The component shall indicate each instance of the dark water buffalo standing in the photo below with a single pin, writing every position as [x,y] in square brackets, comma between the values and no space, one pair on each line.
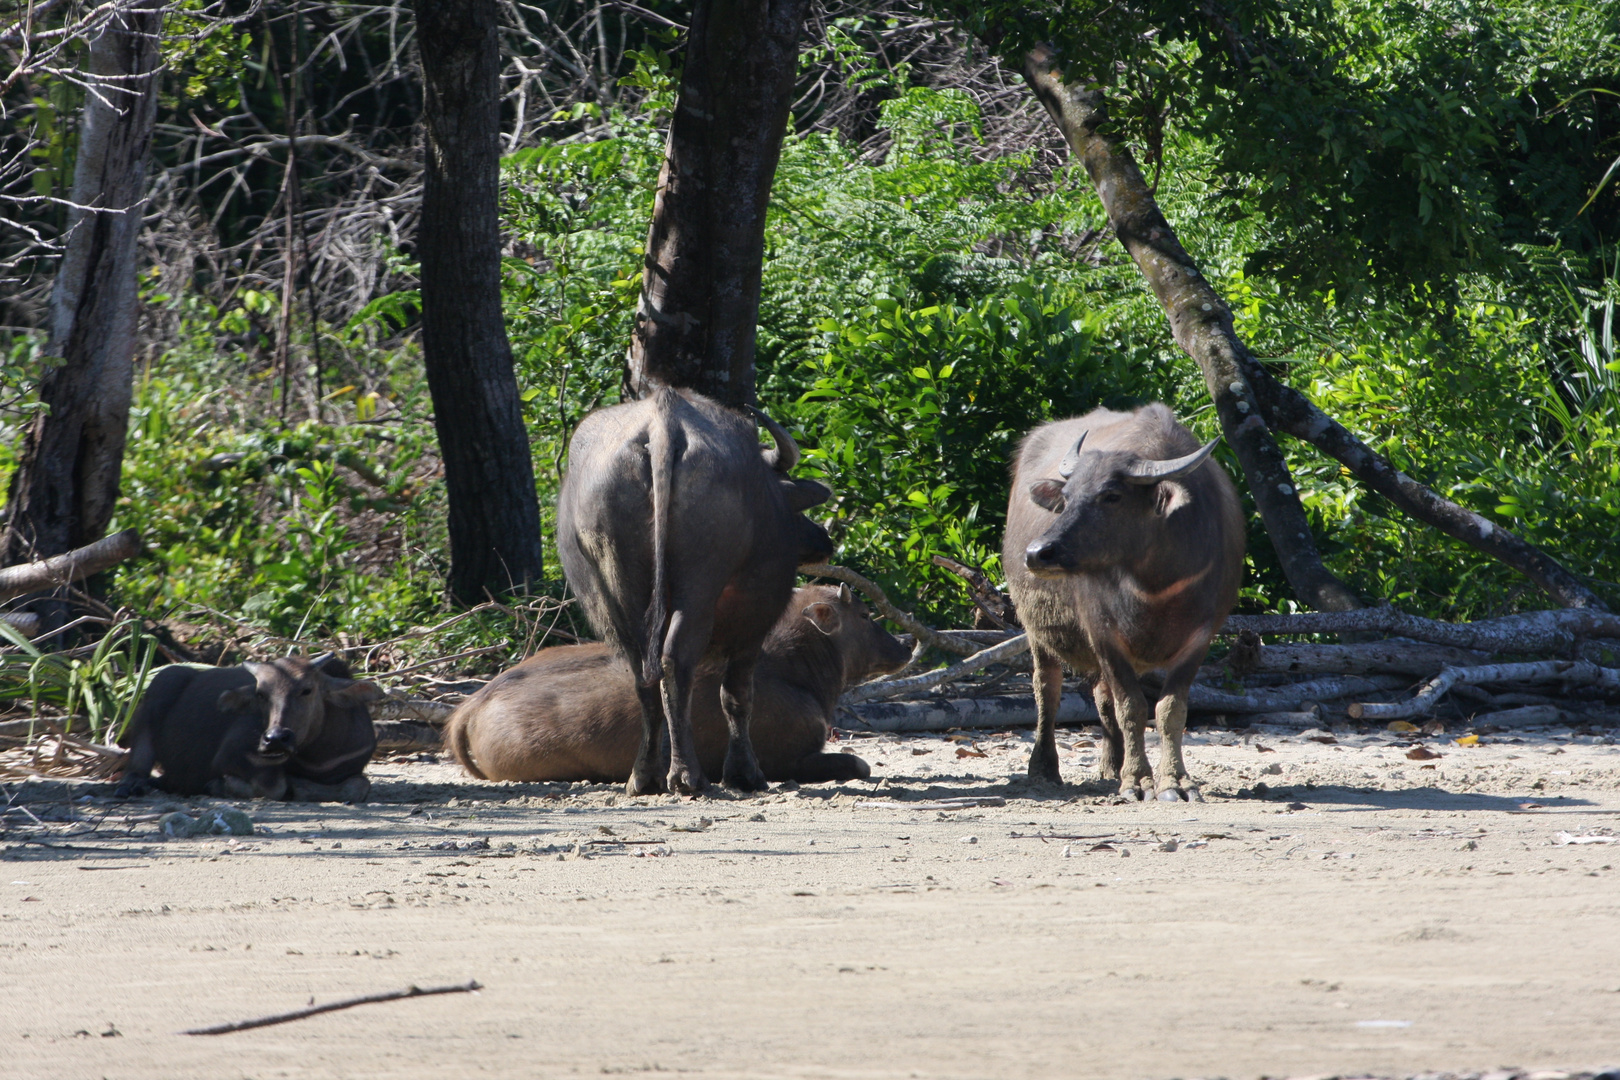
[572,713]
[291,728]
[680,537]
[1123,553]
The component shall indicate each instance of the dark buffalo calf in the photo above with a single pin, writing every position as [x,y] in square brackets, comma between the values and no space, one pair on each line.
[572,713]
[291,728]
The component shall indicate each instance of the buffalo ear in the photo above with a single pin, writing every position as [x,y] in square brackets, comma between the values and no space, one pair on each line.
[358,692]
[824,617]
[239,699]
[801,495]
[1170,497]
[1048,495]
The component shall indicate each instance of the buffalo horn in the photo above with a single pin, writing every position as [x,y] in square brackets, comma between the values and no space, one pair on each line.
[319,662]
[1151,472]
[1071,460]
[786,454]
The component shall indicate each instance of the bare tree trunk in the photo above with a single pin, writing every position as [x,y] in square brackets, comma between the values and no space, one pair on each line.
[1200,321]
[700,292]
[1247,396]
[494,516]
[66,484]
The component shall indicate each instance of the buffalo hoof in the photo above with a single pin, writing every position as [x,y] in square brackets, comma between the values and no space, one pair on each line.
[745,779]
[355,789]
[687,782]
[1128,789]
[644,784]
[1043,768]
[1170,794]
[133,787]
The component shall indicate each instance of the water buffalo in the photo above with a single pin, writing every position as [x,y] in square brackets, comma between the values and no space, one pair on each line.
[572,713]
[1123,554]
[290,728]
[680,536]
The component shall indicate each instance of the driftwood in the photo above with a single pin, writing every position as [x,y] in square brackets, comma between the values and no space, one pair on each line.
[1569,673]
[882,688]
[76,565]
[1290,697]
[1531,632]
[944,714]
[1371,658]
[333,1006]
[407,737]
[428,712]
[997,605]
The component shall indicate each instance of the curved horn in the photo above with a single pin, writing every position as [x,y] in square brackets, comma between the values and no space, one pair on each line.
[786,454]
[1151,472]
[318,662]
[1071,460]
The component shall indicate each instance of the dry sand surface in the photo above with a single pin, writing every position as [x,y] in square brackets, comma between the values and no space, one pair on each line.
[1365,914]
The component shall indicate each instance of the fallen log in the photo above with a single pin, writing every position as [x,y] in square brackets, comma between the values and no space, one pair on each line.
[402,708]
[75,565]
[1290,697]
[1372,658]
[1531,632]
[883,688]
[1527,716]
[407,736]
[1570,673]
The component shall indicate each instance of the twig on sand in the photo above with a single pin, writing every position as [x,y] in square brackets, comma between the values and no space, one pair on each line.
[347,1003]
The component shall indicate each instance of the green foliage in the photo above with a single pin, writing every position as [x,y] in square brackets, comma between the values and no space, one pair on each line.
[98,684]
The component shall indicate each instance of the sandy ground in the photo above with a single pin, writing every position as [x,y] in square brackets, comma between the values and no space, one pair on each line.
[1363,914]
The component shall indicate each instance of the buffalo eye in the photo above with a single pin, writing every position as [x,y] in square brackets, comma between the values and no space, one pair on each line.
[1111,496]
[305,692]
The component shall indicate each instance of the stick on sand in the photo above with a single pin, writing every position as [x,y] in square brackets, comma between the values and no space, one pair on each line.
[346,1003]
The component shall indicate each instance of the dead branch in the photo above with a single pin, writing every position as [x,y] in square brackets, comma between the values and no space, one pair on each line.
[875,593]
[403,708]
[1531,632]
[75,565]
[1569,673]
[468,987]
[1371,658]
[991,600]
[1290,697]
[882,688]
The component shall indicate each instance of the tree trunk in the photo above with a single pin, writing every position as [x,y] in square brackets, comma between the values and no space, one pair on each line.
[1247,396]
[700,288]
[66,484]
[494,516]
[1199,320]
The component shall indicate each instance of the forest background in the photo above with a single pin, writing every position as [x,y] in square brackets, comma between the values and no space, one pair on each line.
[1415,225]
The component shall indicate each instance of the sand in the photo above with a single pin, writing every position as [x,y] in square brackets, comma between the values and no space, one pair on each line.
[1362,915]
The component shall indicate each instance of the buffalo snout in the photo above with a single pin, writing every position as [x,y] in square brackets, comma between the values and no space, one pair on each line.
[1048,557]
[278,740]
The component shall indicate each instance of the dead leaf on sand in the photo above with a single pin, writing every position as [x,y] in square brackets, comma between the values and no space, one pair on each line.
[963,751]
[1421,753]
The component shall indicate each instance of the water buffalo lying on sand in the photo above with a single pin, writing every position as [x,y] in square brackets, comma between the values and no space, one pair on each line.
[1123,553]
[680,536]
[290,728]
[572,713]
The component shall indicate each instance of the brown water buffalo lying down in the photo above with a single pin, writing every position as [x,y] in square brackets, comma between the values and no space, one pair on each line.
[292,728]
[572,713]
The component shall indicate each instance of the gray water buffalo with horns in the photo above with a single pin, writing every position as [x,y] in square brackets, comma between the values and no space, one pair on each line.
[681,536]
[1123,554]
[291,728]
[571,713]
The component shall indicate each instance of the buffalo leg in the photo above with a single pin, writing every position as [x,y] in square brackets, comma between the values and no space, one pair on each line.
[138,772]
[742,770]
[684,643]
[1131,711]
[647,774]
[1111,754]
[829,768]
[1048,681]
[1172,782]
[353,790]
